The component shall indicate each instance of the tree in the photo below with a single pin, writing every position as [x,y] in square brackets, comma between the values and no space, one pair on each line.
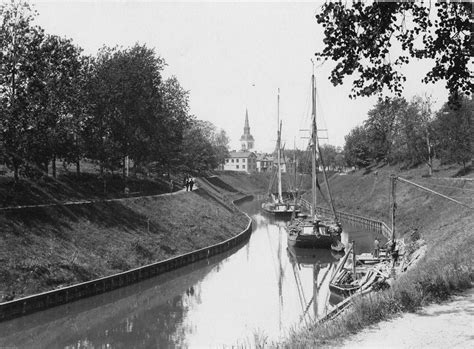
[411,141]
[329,153]
[220,143]
[357,147]
[382,127]
[169,138]
[340,161]
[54,97]
[359,37]
[198,153]
[128,116]
[19,47]
[453,132]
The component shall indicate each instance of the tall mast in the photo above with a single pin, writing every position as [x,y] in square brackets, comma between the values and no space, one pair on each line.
[280,196]
[314,138]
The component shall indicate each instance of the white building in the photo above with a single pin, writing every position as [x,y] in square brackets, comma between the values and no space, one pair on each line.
[242,161]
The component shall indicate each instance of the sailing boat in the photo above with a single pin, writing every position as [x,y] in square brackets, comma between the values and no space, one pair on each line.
[314,231]
[277,205]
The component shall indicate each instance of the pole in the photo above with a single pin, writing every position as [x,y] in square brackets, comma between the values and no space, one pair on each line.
[354,260]
[314,137]
[280,198]
[430,161]
[327,186]
[432,191]
[393,180]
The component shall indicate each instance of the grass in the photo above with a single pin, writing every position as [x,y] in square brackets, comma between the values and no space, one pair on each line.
[45,248]
[446,269]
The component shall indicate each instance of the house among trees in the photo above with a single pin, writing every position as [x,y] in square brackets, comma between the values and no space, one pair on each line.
[264,162]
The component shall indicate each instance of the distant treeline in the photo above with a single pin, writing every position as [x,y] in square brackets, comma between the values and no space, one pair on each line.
[408,132]
[403,132]
[57,103]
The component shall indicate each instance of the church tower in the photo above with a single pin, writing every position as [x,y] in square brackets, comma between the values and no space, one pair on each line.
[247,139]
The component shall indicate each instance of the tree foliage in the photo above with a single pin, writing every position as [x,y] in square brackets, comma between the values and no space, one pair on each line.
[19,48]
[453,132]
[357,148]
[382,126]
[56,103]
[363,38]
[397,131]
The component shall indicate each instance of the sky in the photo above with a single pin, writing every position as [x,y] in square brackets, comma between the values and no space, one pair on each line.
[233,57]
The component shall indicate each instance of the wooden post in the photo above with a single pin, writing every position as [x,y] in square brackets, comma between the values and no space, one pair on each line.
[430,160]
[393,180]
[354,260]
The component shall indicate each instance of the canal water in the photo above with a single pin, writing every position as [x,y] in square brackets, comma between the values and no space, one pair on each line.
[258,291]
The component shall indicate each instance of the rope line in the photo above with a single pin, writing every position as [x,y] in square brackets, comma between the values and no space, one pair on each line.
[450,187]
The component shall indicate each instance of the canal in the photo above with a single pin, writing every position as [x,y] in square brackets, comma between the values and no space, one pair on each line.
[259,290]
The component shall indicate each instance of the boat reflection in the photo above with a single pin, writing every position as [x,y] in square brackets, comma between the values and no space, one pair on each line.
[322,262]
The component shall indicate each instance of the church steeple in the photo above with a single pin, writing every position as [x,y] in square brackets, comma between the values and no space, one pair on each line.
[247,139]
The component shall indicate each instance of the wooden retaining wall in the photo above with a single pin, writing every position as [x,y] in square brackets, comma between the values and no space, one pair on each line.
[42,301]
[372,224]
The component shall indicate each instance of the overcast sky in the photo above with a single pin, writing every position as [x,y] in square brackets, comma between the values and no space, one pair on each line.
[231,56]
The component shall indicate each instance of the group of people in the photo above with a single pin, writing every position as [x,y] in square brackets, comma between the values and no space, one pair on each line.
[188,183]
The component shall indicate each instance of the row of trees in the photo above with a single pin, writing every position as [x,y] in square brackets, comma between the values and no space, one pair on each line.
[56,103]
[397,131]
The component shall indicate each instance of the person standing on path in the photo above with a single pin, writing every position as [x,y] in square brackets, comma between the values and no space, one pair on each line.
[171,186]
[191,183]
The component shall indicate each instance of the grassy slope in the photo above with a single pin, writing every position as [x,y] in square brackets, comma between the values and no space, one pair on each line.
[66,187]
[446,227]
[43,248]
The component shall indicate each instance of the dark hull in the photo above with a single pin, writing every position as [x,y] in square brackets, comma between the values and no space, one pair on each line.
[311,241]
[281,213]
[286,214]
[343,290]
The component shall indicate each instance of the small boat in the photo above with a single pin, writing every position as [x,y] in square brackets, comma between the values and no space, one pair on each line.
[316,231]
[358,274]
[307,233]
[276,204]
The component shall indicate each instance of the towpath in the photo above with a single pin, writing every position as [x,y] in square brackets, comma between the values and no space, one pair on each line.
[446,325]
[82,202]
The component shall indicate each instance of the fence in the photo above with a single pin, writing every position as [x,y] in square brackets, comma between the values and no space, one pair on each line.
[37,302]
[378,226]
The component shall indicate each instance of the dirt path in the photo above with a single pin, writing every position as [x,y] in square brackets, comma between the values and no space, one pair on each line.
[446,325]
[82,202]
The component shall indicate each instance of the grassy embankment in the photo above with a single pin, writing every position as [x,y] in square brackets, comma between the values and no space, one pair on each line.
[49,247]
[445,226]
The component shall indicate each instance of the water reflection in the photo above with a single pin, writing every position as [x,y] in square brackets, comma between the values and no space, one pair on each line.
[321,263]
[263,288]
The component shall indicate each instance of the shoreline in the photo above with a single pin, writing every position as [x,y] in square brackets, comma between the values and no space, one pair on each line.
[44,300]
